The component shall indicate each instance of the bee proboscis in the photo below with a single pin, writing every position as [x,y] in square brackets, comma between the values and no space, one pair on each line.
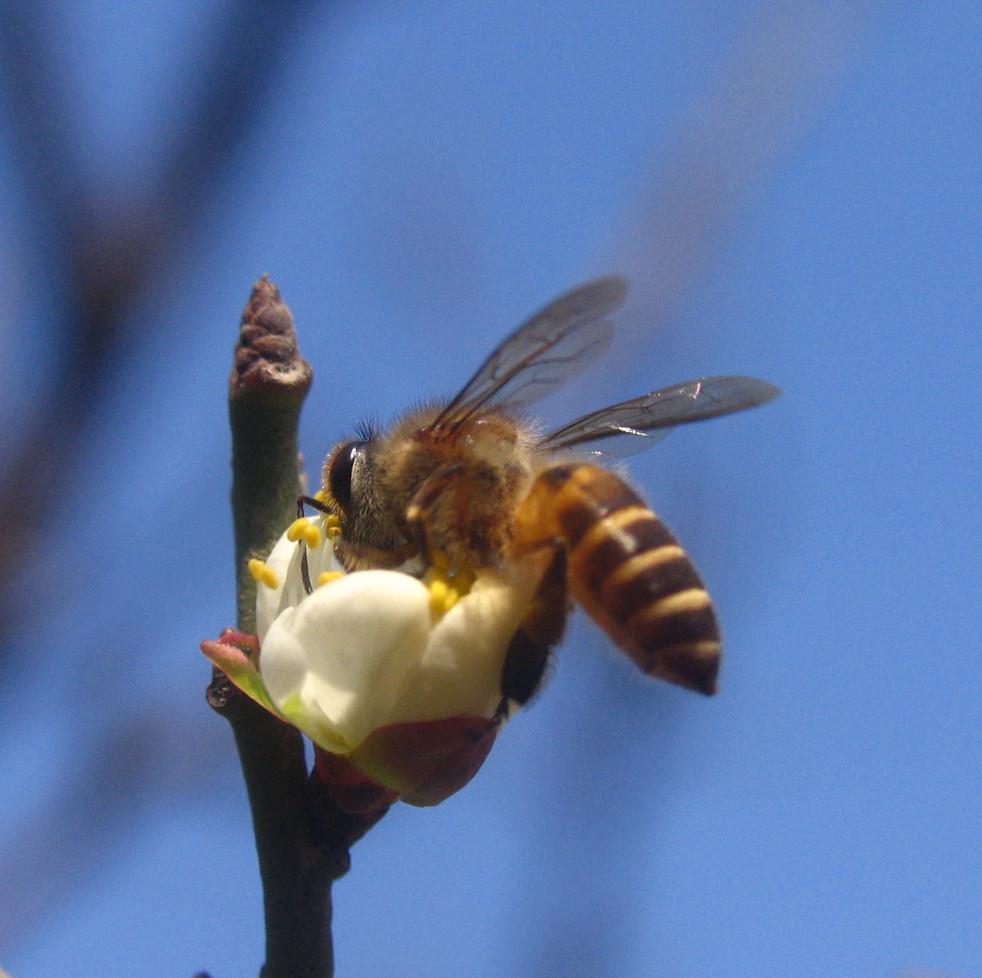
[469,483]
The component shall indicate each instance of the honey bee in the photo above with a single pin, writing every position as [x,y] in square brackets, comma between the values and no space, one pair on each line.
[470,483]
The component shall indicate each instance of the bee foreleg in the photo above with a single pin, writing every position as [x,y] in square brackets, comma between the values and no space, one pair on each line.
[313,503]
[528,653]
[416,520]
[304,563]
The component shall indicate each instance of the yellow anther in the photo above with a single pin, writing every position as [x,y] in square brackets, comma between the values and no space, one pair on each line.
[446,589]
[327,576]
[321,496]
[297,529]
[263,573]
[312,536]
[332,526]
[439,595]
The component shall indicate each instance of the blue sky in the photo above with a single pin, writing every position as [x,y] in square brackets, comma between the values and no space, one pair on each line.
[793,191]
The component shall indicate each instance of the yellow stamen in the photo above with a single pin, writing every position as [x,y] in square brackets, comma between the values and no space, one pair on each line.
[312,536]
[321,496]
[446,589]
[263,574]
[332,526]
[327,576]
[440,596]
[297,529]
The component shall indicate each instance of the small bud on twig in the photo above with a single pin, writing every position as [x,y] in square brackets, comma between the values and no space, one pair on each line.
[267,356]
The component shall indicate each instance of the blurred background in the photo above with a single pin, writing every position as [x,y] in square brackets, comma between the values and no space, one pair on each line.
[793,191]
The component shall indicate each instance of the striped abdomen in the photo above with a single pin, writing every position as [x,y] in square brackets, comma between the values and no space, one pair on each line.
[627,571]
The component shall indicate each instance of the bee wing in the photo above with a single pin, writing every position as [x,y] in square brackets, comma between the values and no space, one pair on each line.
[633,426]
[544,352]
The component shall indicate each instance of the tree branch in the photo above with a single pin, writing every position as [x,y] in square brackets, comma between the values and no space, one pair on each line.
[302,837]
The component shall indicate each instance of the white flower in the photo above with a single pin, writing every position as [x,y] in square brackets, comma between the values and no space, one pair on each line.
[366,651]
[377,648]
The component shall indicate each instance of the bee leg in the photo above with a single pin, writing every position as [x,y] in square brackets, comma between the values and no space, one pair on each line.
[528,653]
[304,563]
[415,523]
[313,504]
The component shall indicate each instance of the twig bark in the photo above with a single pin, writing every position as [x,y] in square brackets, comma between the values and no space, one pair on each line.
[302,839]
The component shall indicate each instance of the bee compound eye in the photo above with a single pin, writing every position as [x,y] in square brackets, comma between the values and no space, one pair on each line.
[340,472]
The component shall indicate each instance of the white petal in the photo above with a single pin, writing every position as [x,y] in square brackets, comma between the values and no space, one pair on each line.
[460,672]
[336,663]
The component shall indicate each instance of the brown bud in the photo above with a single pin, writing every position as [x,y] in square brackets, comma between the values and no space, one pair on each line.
[267,356]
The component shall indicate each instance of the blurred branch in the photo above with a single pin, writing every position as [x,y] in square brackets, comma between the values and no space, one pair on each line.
[147,754]
[106,259]
[766,98]
[728,149]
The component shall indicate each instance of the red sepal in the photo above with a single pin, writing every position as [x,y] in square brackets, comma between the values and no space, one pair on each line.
[426,762]
[350,789]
